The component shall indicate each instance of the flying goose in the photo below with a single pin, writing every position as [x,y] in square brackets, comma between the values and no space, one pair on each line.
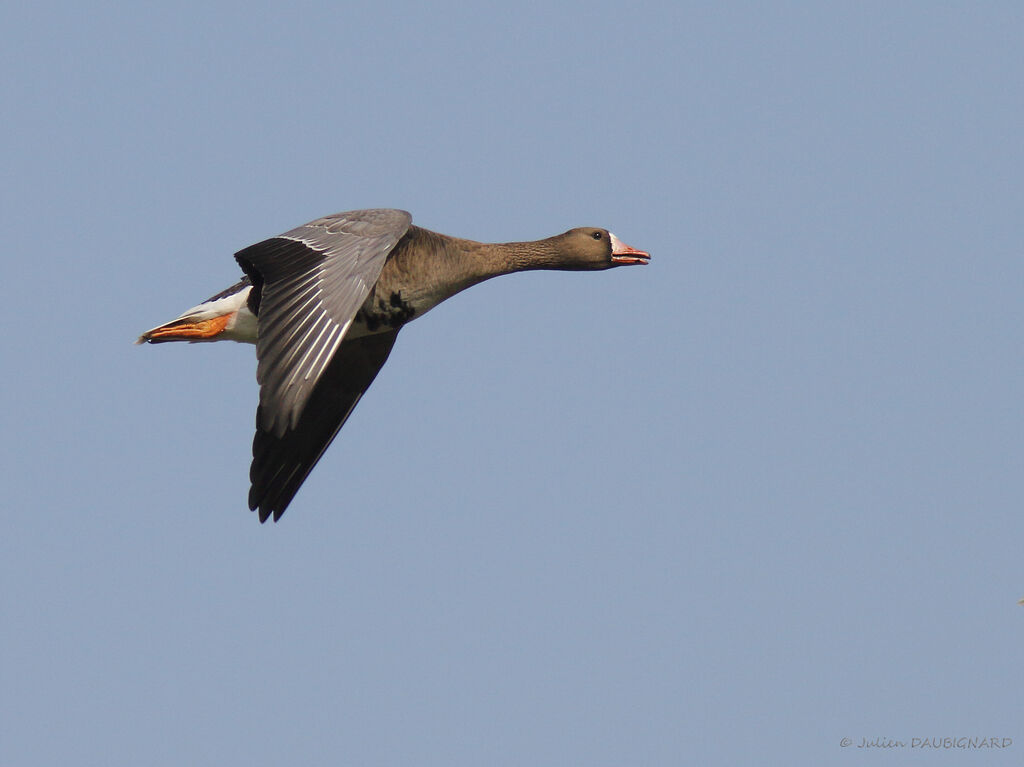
[324,302]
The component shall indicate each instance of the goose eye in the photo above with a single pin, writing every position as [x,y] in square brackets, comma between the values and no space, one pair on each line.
[596,235]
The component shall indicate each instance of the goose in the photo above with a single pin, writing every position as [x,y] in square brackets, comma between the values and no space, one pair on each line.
[324,303]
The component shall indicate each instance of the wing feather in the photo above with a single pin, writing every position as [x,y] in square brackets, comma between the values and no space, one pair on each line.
[312,281]
[281,463]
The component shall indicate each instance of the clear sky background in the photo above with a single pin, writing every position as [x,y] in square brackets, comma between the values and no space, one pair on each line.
[759,496]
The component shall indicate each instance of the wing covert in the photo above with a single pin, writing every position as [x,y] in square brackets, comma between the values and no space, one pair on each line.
[311,282]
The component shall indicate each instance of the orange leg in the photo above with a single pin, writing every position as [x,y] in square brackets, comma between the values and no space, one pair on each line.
[183,330]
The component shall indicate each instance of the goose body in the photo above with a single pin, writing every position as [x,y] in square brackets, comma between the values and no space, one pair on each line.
[324,302]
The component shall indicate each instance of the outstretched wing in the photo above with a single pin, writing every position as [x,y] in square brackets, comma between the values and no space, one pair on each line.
[309,283]
[280,464]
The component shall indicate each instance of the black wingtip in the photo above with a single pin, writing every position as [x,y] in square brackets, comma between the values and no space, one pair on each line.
[281,463]
[267,513]
[262,508]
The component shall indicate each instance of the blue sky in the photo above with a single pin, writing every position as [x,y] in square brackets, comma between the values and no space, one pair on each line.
[759,496]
